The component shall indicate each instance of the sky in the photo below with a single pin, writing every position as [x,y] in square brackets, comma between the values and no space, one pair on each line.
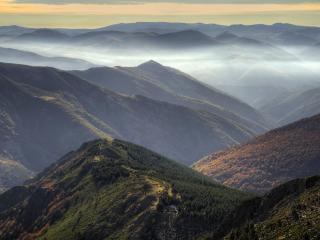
[98,13]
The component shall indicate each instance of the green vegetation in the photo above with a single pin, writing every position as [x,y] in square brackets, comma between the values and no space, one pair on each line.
[291,211]
[117,190]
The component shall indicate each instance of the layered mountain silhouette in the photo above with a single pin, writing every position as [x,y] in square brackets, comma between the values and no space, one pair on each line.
[230,38]
[48,35]
[10,55]
[174,40]
[114,189]
[46,112]
[260,84]
[278,156]
[295,106]
[120,41]
[14,30]
[279,33]
[159,82]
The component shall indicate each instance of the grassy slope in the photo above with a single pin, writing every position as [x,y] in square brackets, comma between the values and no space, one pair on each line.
[116,190]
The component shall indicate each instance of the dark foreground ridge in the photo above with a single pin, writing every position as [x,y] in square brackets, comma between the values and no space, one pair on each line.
[116,190]
[290,211]
[110,189]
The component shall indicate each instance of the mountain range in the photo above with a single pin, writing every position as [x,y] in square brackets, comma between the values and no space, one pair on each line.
[117,190]
[293,106]
[262,83]
[9,55]
[278,34]
[162,83]
[240,60]
[186,39]
[142,127]
[46,112]
[123,41]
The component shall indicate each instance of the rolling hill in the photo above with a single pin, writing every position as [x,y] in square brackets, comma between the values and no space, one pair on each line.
[14,30]
[162,83]
[271,159]
[256,31]
[46,112]
[262,82]
[295,106]
[118,40]
[46,35]
[116,190]
[230,38]
[187,86]
[9,55]
[278,33]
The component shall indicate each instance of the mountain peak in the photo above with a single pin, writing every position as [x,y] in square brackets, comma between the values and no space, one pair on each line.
[227,36]
[150,63]
[115,188]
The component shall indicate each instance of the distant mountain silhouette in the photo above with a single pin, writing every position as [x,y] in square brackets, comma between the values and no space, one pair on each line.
[47,112]
[158,82]
[10,55]
[43,35]
[180,39]
[294,106]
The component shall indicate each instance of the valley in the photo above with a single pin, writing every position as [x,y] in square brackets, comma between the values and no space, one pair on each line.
[160,130]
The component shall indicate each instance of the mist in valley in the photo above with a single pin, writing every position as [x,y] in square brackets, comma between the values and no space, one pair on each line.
[169,102]
[252,73]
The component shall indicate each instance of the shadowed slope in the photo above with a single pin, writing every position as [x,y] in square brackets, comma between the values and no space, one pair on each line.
[175,87]
[46,112]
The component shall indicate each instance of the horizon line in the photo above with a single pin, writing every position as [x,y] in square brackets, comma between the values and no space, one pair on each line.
[164,22]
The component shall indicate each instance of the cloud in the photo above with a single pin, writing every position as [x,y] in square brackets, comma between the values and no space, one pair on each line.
[95,13]
[162,1]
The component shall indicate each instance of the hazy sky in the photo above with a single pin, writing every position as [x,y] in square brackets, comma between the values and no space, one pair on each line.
[96,13]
